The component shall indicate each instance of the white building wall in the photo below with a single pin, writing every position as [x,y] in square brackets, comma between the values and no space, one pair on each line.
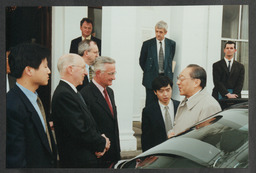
[196,30]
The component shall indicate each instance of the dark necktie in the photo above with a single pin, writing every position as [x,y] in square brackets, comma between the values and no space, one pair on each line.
[41,107]
[229,68]
[168,121]
[161,58]
[108,101]
[90,72]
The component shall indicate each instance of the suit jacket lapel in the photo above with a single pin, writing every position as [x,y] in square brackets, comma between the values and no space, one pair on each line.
[101,100]
[154,53]
[224,66]
[166,54]
[159,117]
[35,118]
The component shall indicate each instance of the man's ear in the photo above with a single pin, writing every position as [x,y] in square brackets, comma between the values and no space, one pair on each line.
[69,69]
[155,92]
[28,71]
[197,82]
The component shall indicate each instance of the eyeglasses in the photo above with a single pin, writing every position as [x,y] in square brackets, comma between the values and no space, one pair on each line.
[111,73]
[82,67]
[182,78]
[95,52]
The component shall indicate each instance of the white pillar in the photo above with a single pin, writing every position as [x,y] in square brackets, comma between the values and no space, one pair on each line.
[65,27]
[117,40]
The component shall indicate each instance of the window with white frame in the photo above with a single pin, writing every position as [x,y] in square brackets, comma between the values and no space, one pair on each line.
[235,28]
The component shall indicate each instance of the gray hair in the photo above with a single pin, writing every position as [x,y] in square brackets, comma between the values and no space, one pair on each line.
[162,25]
[198,72]
[65,61]
[84,46]
[101,61]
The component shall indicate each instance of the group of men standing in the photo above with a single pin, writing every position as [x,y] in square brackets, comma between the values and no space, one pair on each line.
[83,106]
[164,117]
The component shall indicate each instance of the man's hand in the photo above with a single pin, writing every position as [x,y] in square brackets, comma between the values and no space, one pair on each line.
[107,142]
[171,134]
[107,146]
[231,96]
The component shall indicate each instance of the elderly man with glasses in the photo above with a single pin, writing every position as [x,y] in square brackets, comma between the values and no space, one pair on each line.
[100,99]
[197,104]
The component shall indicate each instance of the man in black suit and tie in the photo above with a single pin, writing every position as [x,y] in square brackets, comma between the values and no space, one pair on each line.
[100,99]
[158,117]
[79,142]
[89,51]
[29,140]
[228,75]
[156,58]
[86,27]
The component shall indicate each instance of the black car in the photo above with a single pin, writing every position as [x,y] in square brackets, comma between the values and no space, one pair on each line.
[220,141]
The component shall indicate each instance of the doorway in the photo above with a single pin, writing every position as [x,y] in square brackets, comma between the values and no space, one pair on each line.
[31,24]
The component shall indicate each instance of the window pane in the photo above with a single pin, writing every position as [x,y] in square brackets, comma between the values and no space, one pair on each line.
[244,22]
[242,57]
[230,21]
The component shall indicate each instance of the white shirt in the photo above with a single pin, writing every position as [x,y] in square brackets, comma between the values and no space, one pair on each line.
[70,84]
[231,63]
[171,110]
[7,84]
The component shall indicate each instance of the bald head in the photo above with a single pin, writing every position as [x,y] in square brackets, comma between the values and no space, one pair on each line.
[72,68]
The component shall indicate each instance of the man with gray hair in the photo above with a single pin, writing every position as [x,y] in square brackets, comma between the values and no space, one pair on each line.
[156,59]
[79,142]
[89,51]
[100,99]
[197,104]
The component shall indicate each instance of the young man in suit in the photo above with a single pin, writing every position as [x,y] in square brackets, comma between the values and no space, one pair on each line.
[86,27]
[79,142]
[89,51]
[100,99]
[156,58]
[29,140]
[228,75]
[158,117]
[197,104]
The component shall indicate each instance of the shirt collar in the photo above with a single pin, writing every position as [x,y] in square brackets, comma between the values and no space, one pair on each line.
[226,60]
[30,95]
[87,38]
[101,88]
[70,84]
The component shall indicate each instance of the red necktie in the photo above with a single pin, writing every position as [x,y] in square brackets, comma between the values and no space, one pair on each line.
[108,101]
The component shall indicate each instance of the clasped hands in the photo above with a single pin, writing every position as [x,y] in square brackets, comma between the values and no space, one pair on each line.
[107,146]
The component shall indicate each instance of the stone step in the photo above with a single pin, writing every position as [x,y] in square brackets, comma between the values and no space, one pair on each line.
[129,154]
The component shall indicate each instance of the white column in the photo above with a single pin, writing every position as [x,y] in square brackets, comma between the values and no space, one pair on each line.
[118,43]
[65,27]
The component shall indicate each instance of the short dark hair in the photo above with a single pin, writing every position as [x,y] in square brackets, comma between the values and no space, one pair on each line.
[26,54]
[230,42]
[198,73]
[86,20]
[161,81]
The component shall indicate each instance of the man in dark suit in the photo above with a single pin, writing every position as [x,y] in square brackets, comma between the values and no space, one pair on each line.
[86,27]
[156,58]
[89,51]
[158,117]
[79,142]
[100,99]
[29,140]
[228,75]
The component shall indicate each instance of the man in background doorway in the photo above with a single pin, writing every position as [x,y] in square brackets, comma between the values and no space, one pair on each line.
[228,75]
[156,58]
[86,27]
